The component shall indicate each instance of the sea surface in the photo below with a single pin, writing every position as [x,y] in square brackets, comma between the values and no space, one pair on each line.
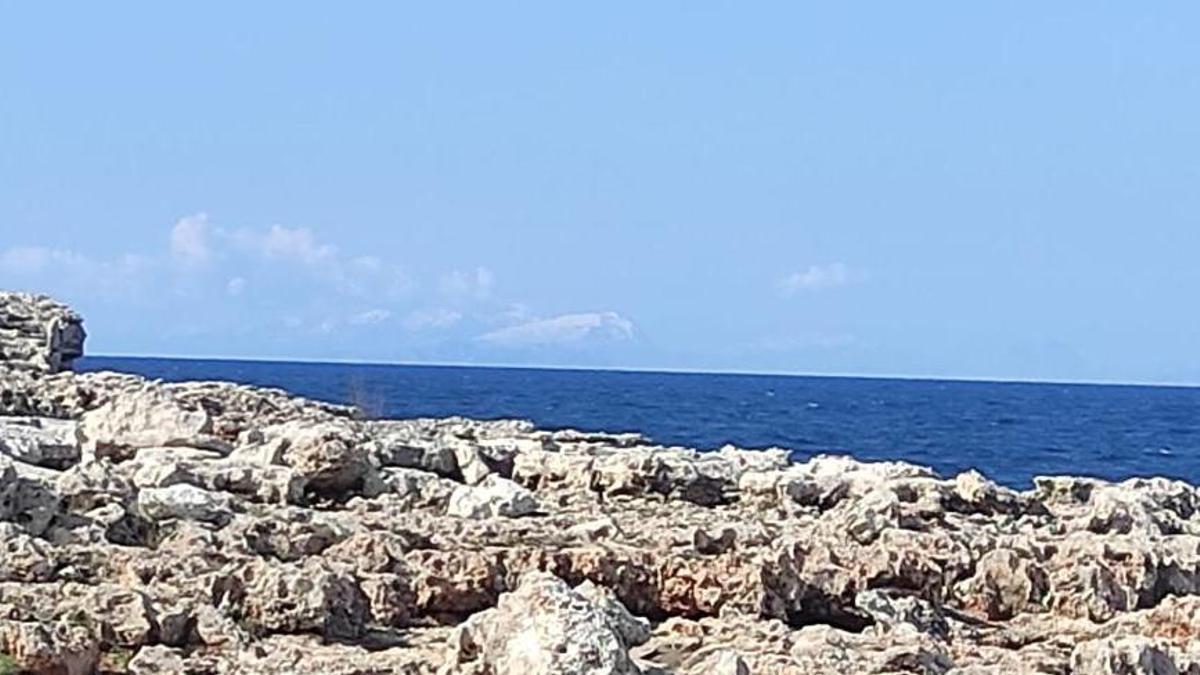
[1009,431]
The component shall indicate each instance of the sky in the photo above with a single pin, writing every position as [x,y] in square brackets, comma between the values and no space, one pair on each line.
[946,189]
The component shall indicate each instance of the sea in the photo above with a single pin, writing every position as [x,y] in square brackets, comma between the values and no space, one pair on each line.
[1010,431]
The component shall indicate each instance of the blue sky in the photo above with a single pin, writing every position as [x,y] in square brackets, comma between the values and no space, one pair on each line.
[929,188]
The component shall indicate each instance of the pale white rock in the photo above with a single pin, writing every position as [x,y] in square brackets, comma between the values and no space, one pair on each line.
[676,473]
[865,519]
[1146,506]
[397,448]
[543,628]
[41,441]
[184,502]
[1122,656]
[891,612]
[716,661]
[416,487]
[156,660]
[594,530]
[626,440]
[494,497]
[266,484]
[144,418]
[742,460]
[838,476]
[471,463]
[536,469]
[633,630]
[332,457]
[38,334]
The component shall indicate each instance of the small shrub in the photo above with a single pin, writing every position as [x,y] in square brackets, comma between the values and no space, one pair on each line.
[8,666]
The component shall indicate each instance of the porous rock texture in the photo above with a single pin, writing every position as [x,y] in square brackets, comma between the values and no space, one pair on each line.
[38,334]
[216,528]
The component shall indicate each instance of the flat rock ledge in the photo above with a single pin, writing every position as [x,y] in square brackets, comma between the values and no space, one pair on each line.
[148,527]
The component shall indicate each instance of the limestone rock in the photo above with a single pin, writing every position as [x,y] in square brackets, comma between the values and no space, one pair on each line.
[211,527]
[399,446]
[285,598]
[156,660]
[144,418]
[718,662]
[494,497]
[333,458]
[40,441]
[632,630]
[38,334]
[544,628]
[185,502]
[1122,656]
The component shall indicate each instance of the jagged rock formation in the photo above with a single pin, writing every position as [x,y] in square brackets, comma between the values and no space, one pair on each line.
[38,334]
[216,528]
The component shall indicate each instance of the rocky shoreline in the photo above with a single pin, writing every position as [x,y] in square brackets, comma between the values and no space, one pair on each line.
[210,527]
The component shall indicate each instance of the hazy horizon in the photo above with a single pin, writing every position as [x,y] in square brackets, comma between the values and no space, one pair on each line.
[622,369]
[933,190]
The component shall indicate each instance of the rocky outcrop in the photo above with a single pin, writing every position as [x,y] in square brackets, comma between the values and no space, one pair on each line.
[217,528]
[38,334]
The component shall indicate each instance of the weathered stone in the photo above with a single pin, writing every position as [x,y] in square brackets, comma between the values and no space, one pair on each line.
[494,497]
[39,441]
[1122,656]
[38,334]
[285,598]
[544,628]
[144,418]
[332,458]
[184,502]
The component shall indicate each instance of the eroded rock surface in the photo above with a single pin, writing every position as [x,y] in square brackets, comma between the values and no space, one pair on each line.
[38,334]
[217,528]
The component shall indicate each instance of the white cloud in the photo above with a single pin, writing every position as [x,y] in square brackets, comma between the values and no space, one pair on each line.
[284,243]
[563,330]
[473,285]
[370,317]
[431,318]
[818,278]
[360,276]
[189,240]
[51,270]
[32,259]
[235,287]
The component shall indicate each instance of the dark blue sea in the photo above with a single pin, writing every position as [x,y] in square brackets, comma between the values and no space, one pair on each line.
[1009,431]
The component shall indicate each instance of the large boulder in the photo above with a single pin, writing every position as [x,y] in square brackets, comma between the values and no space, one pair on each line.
[144,417]
[544,628]
[287,598]
[334,457]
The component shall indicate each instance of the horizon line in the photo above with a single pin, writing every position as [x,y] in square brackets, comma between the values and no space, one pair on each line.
[655,370]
